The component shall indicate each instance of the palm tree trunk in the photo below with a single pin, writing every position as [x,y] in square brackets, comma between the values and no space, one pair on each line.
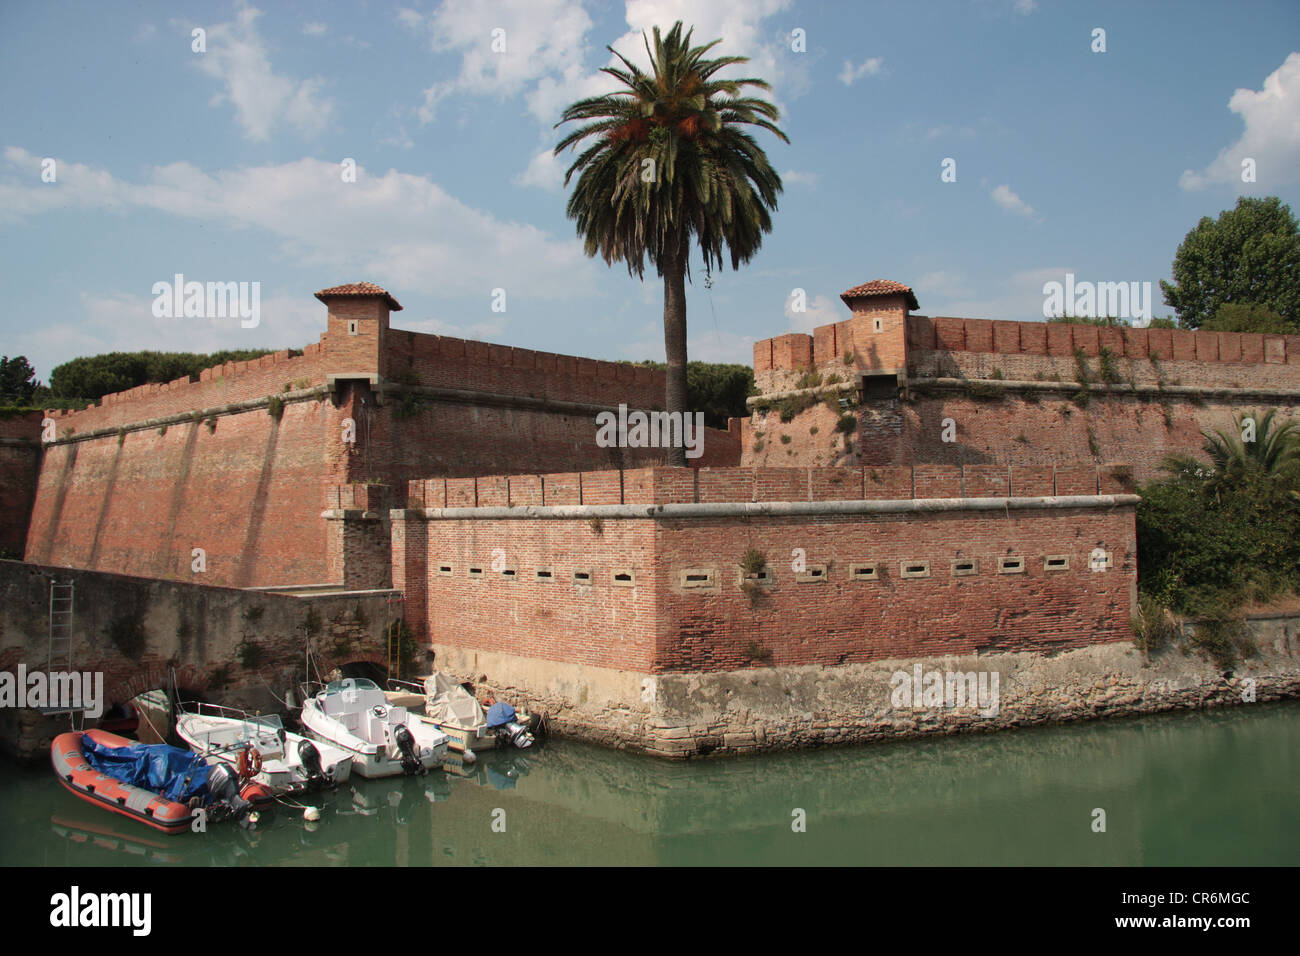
[674,273]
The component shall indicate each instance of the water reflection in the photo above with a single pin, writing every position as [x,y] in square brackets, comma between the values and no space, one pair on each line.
[1212,788]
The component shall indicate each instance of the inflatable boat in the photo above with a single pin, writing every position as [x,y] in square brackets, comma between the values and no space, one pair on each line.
[158,785]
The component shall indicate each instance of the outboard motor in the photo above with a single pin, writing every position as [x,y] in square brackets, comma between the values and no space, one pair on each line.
[224,788]
[501,719]
[310,758]
[411,763]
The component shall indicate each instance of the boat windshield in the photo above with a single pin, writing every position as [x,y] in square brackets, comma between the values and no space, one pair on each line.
[350,683]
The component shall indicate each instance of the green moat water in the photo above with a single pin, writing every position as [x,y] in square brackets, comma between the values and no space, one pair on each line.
[1205,788]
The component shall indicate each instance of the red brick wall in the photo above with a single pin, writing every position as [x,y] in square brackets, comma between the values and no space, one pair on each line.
[946,343]
[442,362]
[601,624]
[224,384]
[842,621]
[249,493]
[657,625]
[1051,431]
[1011,338]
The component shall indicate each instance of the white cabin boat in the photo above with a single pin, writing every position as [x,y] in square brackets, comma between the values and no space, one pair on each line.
[289,762]
[383,738]
[444,703]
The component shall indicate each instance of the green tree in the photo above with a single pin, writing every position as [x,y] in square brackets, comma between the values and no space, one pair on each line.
[718,390]
[671,162]
[17,380]
[95,376]
[1257,446]
[1214,535]
[1251,253]
[1246,317]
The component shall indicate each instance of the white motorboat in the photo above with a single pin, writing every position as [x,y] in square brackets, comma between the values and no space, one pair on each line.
[443,702]
[258,747]
[383,738]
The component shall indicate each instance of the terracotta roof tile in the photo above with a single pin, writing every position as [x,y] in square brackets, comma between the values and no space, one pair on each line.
[880,287]
[358,289]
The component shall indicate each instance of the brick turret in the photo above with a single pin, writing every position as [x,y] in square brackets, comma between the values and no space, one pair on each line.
[357,327]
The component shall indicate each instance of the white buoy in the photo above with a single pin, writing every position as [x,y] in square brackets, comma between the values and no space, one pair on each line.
[311,814]
[469,756]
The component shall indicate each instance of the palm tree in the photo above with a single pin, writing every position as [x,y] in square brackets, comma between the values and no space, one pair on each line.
[1274,452]
[671,161]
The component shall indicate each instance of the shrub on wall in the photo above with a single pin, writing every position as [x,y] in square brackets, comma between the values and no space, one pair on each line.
[1224,530]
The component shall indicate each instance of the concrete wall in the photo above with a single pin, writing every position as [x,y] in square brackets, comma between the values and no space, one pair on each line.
[134,630]
[801,706]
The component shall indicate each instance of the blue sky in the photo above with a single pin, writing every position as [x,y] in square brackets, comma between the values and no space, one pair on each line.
[224,165]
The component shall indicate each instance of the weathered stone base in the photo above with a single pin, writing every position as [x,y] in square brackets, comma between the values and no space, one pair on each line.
[784,708]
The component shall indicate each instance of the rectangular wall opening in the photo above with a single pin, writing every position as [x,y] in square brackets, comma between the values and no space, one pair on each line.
[697,578]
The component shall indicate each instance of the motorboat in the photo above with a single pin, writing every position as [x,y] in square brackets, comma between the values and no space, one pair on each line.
[258,747]
[383,738]
[158,785]
[442,701]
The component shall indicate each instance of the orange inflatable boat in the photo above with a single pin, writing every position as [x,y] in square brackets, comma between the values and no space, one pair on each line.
[222,796]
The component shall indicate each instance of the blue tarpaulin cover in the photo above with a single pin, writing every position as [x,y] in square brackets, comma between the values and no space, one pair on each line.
[167,771]
[499,714]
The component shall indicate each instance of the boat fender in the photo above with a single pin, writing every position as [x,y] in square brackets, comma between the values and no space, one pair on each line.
[250,762]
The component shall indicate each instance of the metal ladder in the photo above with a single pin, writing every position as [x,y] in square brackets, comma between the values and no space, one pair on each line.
[393,633]
[62,617]
[61,621]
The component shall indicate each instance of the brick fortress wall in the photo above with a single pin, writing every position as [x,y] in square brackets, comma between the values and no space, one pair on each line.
[639,588]
[133,484]
[1165,387]
[20,464]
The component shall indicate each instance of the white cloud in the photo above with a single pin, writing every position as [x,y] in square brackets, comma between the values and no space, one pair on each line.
[952,132]
[1025,7]
[547,46]
[545,170]
[413,20]
[821,310]
[1009,201]
[718,346]
[540,38]
[314,28]
[794,176]
[1271,138]
[1019,297]
[941,285]
[237,57]
[869,67]
[124,322]
[400,230]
